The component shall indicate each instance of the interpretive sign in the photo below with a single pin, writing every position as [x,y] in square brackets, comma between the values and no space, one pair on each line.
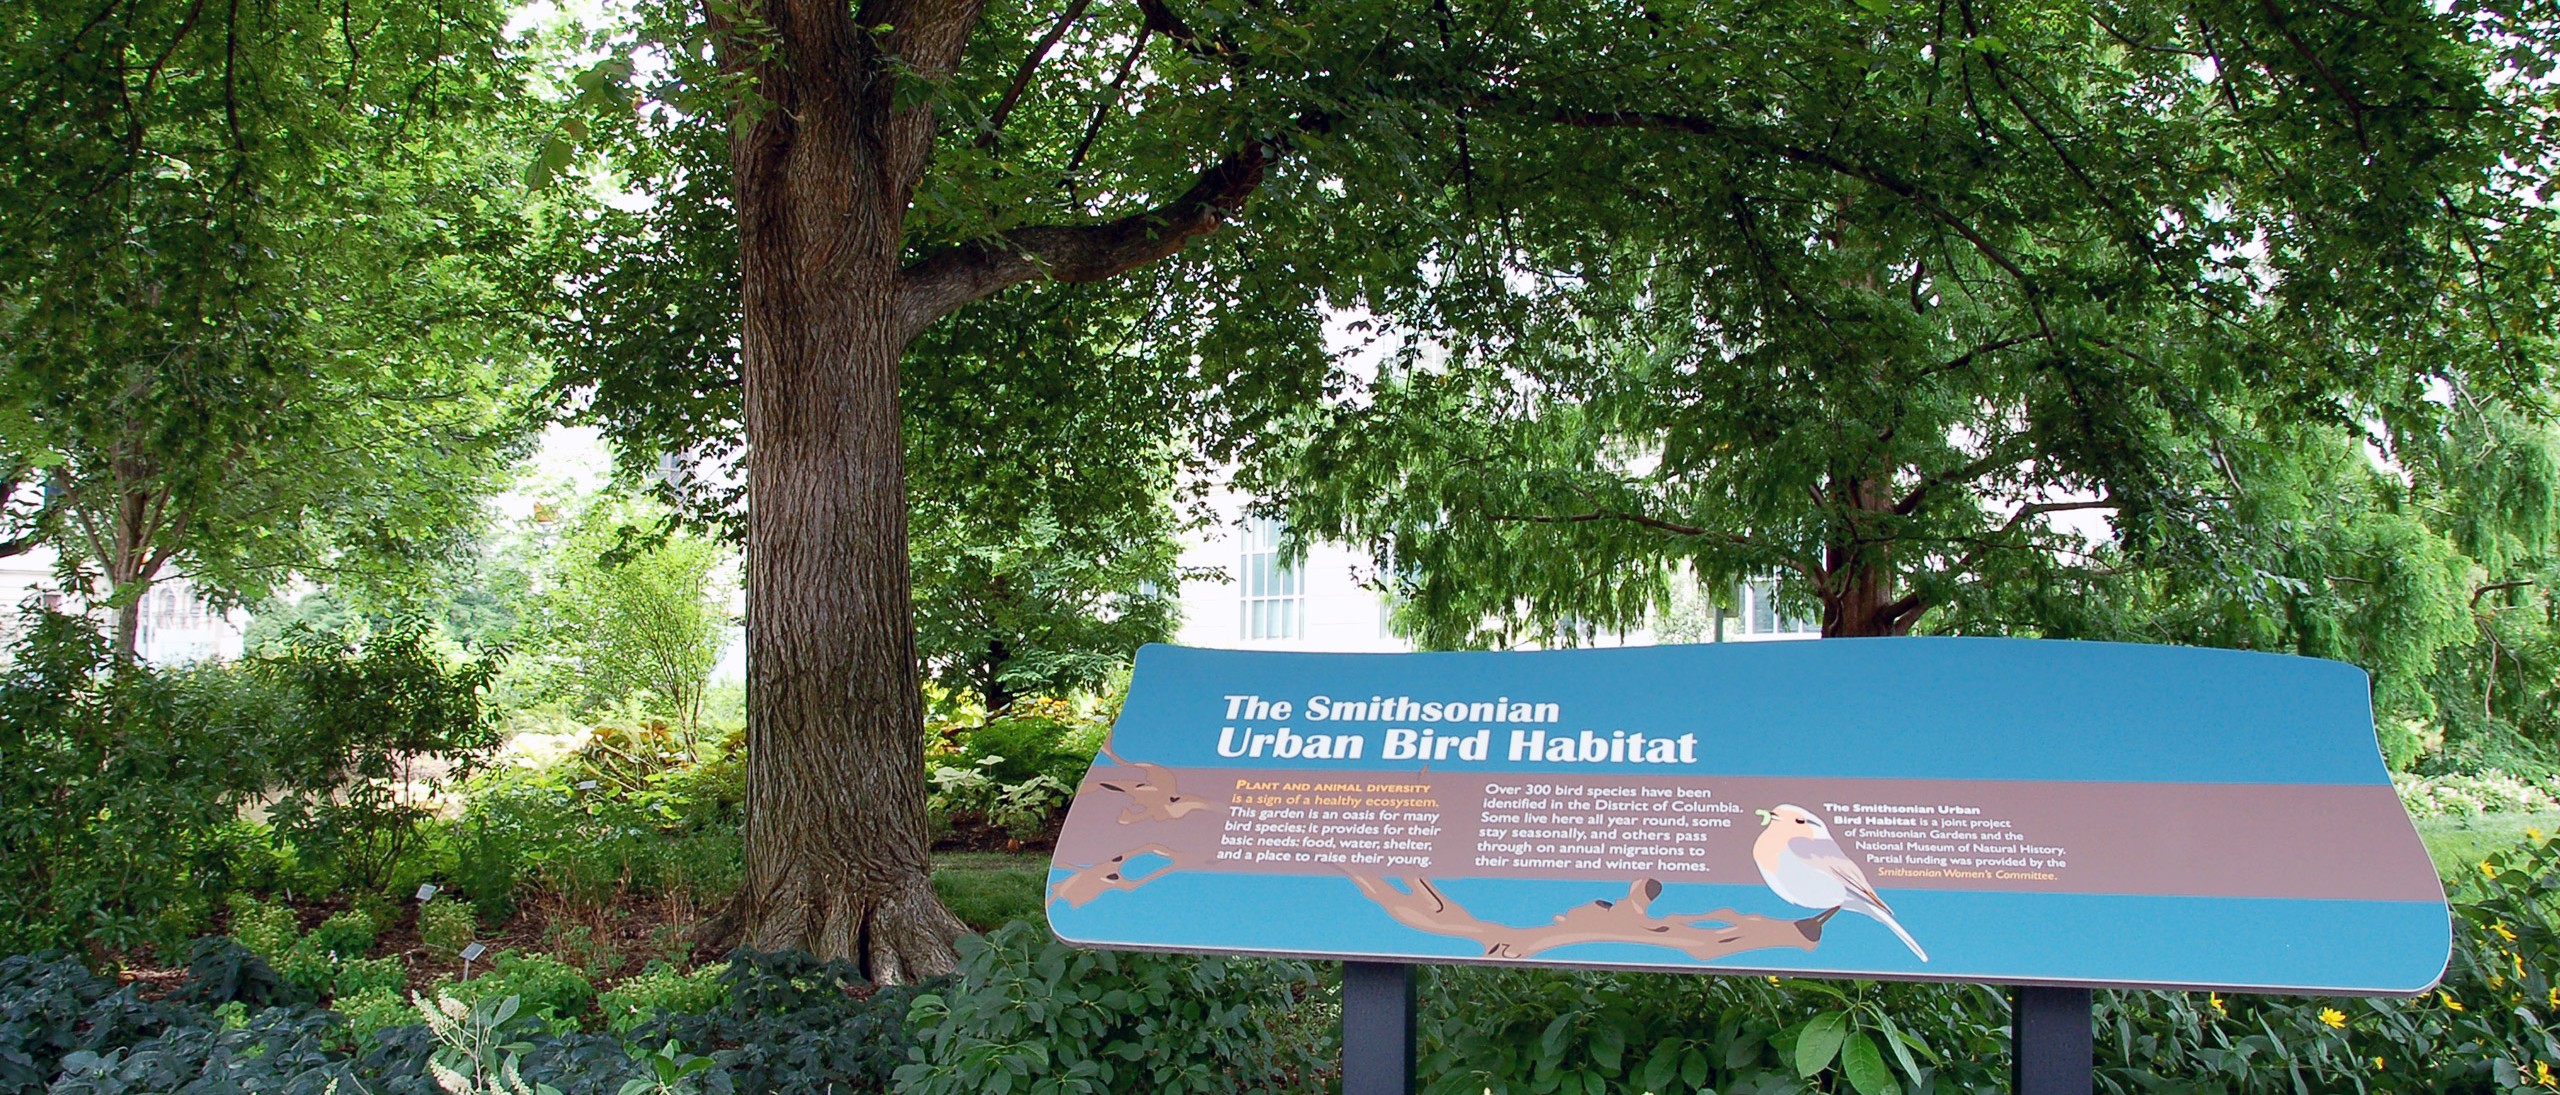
[2005,811]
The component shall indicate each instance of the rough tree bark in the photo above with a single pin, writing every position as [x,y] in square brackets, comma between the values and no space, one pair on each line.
[1856,587]
[825,165]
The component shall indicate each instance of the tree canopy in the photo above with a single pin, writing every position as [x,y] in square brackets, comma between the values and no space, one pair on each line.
[252,285]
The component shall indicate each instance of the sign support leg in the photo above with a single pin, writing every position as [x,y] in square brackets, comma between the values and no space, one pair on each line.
[1377,1028]
[2051,1048]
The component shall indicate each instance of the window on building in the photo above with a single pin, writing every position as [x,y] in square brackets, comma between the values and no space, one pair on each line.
[1762,614]
[1275,593]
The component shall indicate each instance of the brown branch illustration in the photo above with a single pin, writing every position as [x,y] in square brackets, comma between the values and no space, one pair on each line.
[1089,882]
[1152,796]
[1703,936]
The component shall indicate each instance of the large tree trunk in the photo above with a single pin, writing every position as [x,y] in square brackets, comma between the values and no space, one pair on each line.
[1857,568]
[827,154]
[837,859]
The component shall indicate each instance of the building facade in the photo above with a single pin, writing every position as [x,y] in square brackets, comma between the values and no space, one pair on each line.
[1326,602]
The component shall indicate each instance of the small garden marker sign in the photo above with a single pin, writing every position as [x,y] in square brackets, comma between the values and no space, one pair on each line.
[2048,815]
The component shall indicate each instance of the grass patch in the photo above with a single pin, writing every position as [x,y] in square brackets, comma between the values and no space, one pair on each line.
[2458,841]
[988,890]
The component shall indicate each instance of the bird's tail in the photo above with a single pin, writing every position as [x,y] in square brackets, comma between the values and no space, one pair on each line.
[1885,917]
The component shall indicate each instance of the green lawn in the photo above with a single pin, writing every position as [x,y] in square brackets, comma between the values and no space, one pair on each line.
[987,889]
[2458,842]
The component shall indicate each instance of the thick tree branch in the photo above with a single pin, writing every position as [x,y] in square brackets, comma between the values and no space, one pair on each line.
[943,280]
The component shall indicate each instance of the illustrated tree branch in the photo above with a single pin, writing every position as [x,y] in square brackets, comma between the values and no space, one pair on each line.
[1153,795]
[1089,882]
[1704,936]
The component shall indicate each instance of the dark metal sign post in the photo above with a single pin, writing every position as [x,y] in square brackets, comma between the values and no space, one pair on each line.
[1377,1028]
[2053,1050]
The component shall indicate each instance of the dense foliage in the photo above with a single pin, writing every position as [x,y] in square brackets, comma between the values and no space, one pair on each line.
[125,785]
[1026,1013]
[257,320]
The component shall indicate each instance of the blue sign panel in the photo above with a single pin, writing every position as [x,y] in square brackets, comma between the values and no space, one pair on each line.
[1989,810]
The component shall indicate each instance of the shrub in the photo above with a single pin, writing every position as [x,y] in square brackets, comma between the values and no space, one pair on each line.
[790,1023]
[1035,738]
[1031,1012]
[548,989]
[220,971]
[364,715]
[374,1010]
[120,786]
[2485,793]
[448,925]
[359,976]
[662,989]
[268,930]
[347,934]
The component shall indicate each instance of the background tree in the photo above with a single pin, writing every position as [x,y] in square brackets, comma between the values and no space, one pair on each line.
[619,605]
[1044,466]
[2421,554]
[250,319]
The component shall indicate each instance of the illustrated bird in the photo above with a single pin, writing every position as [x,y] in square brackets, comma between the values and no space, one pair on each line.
[1799,859]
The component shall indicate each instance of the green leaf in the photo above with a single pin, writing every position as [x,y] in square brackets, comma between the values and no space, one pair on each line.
[1693,1068]
[1820,1042]
[1865,1066]
[1609,1048]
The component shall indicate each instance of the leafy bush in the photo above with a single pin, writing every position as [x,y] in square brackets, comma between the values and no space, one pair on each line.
[1034,1013]
[447,925]
[547,988]
[374,1010]
[220,971]
[347,934]
[2483,793]
[790,1023]
[365,715]
[533,829]
[119,790]
[268,930]
[359,976]
[663,989]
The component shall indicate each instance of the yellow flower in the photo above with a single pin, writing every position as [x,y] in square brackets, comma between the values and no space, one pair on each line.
[2533,834]
[2337,1020]
[2450,1003]
[2215,999]
[2377,1064]
[2555,997]
[2542,1074]
[2503,931]
[1773,980]
[2487,870]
